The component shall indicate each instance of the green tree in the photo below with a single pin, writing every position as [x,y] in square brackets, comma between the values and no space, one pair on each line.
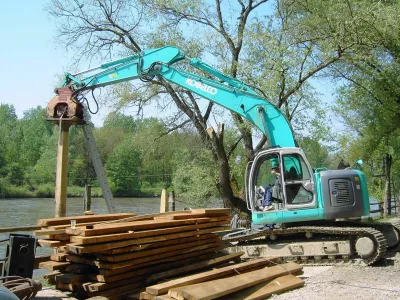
[317,154]
[118,120]
[258,41]
[123,168]
[35,131]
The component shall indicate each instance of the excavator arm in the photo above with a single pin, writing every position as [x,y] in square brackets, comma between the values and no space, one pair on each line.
[224,90]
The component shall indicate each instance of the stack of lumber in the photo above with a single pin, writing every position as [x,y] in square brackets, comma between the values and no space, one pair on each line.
[53,235]
[114,258]
[254,279]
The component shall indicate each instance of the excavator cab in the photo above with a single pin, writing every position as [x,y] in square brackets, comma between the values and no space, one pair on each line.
[280,186]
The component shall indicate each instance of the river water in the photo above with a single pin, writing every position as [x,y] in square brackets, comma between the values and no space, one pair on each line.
[26,212]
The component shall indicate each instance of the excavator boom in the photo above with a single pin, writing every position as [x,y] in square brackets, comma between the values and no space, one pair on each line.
[228,92]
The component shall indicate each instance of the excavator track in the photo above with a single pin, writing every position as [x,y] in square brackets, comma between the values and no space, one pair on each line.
[368,244]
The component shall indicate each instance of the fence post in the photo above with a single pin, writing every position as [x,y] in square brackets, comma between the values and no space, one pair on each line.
[171,201]
[164,201]
[87,198]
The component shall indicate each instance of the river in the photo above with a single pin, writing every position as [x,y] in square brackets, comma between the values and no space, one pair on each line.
[26,212]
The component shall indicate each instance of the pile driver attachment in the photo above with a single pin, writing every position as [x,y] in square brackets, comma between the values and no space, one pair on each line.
[65,105]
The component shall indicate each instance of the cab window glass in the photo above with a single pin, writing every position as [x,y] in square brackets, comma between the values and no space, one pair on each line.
[295,168]
[264,177]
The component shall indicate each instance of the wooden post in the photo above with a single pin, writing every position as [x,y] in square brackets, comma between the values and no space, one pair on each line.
[171,201]
[164,201]
[87,198]
[62,171]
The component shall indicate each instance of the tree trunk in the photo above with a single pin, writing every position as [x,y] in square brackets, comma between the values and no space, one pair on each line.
[387,201]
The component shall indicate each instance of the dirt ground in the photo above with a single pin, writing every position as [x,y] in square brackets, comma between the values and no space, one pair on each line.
[345,282]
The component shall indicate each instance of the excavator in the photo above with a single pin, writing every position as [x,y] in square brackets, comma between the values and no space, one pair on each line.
[316,215]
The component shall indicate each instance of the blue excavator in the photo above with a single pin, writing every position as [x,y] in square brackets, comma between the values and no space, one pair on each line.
[310,213]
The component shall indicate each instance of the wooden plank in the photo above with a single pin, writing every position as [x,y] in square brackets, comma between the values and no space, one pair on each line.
[81,269]
[53,265]
[52,243]
[68,278]
[65,226]
[163,288]
[59,257]
[191,216]
[221,287]
[82,219]
[61,249]
[48,232]
[153,258]
[102,286]
[16,229]
[60,237]
[265,290]
[124,294]
[150,216]
[78,249]
[116,290]
[51,277]
[202,264]
[39,259]
[137,271]
[156,251]
[169,261]
[81,240]
[159,244]
[222,211]
[85,260]
[146,296]
[141,261]
[102,229]
[163,297]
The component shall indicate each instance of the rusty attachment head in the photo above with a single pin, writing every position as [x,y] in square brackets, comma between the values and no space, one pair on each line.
[64,105]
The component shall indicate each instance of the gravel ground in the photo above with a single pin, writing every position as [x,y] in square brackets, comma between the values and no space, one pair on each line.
[346,282]
[349,282]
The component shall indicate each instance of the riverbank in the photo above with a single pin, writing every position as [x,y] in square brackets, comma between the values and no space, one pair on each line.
[48,191]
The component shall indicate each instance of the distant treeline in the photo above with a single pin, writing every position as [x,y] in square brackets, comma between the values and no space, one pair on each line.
[139,155]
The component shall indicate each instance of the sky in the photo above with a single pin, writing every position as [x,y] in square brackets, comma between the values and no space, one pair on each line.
[30,60]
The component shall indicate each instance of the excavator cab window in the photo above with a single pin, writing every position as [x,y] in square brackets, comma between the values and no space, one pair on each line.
[266,180]
[296,175]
